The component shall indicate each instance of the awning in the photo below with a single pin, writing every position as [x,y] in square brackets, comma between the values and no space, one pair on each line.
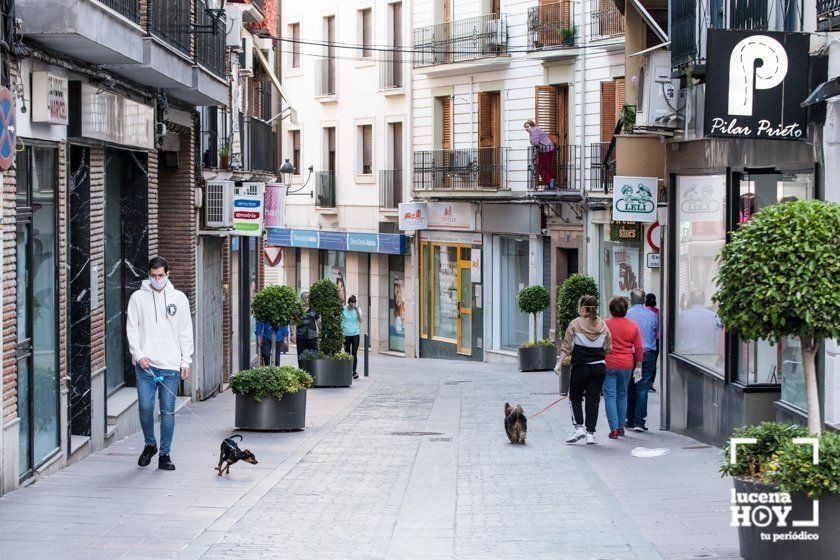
[650,49]
[362,242]
[650,21]
[825,90]
[270,71]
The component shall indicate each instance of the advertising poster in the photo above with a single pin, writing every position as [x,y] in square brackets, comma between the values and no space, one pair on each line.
[338,275]
[275,205]
[248,212]
[396,315]
[625,269]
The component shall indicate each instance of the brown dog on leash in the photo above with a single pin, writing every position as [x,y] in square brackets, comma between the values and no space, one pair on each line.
[230,454]
[516,425]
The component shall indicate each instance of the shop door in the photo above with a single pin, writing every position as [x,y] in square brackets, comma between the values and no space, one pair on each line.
[464,305]
[210,318]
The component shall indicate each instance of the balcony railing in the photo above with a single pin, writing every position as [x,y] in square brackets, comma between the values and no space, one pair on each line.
[169,20]
[390,189]
[130,9]
[691,18]
[461,40]
[550,26]
[471,169]
[607,21]
[391,72]
[828,15]
[564,169]
[325,189]
[210,45]
[262,146]
[601,164]
[326,78]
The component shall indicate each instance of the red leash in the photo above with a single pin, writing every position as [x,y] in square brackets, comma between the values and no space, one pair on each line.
[549,406]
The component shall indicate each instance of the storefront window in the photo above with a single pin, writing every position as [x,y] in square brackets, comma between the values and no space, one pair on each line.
[333,267]
[700,235]
[445,288]
[396,303]
[513,276]
[622,261]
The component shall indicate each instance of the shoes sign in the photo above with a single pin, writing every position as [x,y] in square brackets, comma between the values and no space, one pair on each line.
[755,82]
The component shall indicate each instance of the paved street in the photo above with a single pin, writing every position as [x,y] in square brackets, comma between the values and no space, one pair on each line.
[412,462]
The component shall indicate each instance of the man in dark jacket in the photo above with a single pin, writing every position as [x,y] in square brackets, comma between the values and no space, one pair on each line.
[306,331]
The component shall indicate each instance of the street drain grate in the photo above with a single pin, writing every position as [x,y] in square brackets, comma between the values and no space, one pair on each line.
[440,439]
[455,382]
[697,447]
[416,433]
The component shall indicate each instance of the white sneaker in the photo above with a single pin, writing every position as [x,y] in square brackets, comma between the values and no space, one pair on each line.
[577,434]
[590,438]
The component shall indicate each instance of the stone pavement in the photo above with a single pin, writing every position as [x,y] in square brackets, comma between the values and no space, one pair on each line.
[412,462]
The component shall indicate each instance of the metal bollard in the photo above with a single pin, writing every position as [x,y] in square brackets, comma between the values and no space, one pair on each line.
[367,353]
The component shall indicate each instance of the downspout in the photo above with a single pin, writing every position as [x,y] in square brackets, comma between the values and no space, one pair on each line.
[409,179]
[472,114]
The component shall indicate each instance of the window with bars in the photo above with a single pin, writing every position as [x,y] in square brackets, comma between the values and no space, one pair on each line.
[295,141]
[366,149]
[294,33]
[366,32]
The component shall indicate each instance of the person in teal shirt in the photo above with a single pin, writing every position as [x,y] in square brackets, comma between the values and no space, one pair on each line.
[351,320]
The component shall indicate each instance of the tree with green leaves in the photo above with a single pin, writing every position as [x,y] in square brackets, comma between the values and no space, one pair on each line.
[277,306]
[568,295]
[533,300]
[779,276]
[325,299]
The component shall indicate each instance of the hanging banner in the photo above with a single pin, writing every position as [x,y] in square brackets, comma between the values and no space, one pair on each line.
[275,205]
[235,104]
[8,137]
[634,199]
[248,211]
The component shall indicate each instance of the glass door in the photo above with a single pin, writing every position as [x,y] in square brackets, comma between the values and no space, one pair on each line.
[464,303]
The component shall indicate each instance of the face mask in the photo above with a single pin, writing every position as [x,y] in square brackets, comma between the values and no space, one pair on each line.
[158,284]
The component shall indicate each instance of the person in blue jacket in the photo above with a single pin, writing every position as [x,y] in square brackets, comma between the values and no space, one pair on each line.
[265,339]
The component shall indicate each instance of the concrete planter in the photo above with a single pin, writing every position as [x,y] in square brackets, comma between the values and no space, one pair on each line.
[565,377]
[754,547]
[271,414]
[329,373]
[537,358]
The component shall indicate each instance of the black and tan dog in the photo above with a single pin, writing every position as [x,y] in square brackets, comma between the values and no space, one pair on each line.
[230,454]
[516,424]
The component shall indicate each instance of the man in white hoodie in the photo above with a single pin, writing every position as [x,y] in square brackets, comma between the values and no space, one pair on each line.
[160,339]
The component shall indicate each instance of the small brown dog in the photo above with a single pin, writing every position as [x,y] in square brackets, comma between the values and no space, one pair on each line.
[516,424]
[230,454]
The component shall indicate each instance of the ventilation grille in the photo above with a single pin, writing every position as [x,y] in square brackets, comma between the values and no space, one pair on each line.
[218,204]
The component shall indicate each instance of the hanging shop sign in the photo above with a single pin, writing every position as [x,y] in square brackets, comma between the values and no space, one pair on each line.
[626,231]
[475,264]
[755,82]
[363,242]
[8,136]
[49,98]
[634,199]
[109,117]
[248,210]
[413,216]
[451,216]
[275,205]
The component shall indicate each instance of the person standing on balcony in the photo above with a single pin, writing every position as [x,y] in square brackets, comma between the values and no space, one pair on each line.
[545,152]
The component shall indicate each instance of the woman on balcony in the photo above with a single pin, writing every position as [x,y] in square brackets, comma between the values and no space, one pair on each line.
[545,153]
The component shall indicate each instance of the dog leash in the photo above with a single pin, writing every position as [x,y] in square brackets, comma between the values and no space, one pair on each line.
[549,406]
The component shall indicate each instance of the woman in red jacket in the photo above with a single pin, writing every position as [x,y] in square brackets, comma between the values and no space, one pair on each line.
[624,360]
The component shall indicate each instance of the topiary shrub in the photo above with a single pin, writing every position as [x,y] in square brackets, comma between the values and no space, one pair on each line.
[277,306]
[533,300]
[779,276]
[325,299]
[270,381]
[568,295]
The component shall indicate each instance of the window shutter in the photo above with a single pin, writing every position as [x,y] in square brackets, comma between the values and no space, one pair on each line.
[620,97]
[296,45]
[607,111]
[447,11]
[446,125]
[397,130]
[296,151]
[546,110]
[367,149]
[366,33]
[485,118]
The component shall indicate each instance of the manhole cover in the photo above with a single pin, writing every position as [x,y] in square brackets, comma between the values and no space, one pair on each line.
[697,447]
[455,382]
[416,433]
[440,439]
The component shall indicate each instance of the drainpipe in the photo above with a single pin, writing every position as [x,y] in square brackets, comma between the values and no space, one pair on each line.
[472,114]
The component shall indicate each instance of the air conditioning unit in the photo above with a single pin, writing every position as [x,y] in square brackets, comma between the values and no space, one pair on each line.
[657,104]
[251,189]
[218,204]
[246,57]
[233,38]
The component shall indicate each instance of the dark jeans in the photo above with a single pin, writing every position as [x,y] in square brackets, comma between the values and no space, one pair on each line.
[265,352]
[351,346]
[655,361]
[637,393]
[586,380]
[304,344]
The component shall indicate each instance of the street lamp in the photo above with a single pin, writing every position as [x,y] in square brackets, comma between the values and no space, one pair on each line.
[286,171]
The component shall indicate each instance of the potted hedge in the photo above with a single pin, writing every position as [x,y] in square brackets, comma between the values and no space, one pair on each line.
[535,355]
[569,35]
[780,471]
[277,306]
[779,276]
[330,366]
[271,398]
[568,295]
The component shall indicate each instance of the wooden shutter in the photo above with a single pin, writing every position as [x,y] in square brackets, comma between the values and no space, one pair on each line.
[545,101]
[397,42]
[446,123]
[296,45]
[367,30]
[488,117]
[367,149]
[447,11]
[397,147]
[607,111]
[562,115]
[620,97]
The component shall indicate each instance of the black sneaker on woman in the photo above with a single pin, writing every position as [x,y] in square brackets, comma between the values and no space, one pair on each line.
[146,457]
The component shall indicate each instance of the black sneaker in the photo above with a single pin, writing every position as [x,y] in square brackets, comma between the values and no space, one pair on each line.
[146,457]
[652,390]
[165,463]
[640,428]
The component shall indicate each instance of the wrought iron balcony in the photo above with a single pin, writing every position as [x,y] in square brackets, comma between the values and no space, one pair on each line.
[828,15]
[607,21]
[130,9]
[471,169]
[169,20]
[209,44]
[563,169]
[461,40]
[601,164]
[325,189]
[390,189]
[552,26]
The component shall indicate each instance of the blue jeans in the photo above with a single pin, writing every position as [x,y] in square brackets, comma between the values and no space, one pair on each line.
[637,393]
[615,396]
[146,388]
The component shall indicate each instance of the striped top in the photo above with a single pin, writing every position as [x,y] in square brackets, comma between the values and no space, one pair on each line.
[540,140]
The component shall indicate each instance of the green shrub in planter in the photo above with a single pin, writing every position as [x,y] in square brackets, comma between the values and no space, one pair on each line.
[325,299]
[543,343]
[270,381]
[277,306]
[568,295]
[533,300]
[754,458]
[310,355]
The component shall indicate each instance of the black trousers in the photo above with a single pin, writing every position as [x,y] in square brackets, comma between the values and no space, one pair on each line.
[586,380]
[351,346]
[304,344]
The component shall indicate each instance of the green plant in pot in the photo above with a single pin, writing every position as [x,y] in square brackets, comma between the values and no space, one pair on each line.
[535,356]
[277,306]
[569,35]
[330,366]
[271,398]
[224,155]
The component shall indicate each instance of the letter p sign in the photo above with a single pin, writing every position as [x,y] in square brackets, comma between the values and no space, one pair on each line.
[757,62]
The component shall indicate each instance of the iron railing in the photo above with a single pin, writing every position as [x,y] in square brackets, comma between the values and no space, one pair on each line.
[828,15]
[460,40]
[691,18]
[169,20]
[607,21]
[262,146]
[470,169]
[601,164]
[210,44]
[326,77]
[390,188]
[552,26]
[391,72]
[325,189]
[564,169]
[130,9]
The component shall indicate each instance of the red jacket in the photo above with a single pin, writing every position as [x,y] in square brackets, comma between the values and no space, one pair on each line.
[626,342]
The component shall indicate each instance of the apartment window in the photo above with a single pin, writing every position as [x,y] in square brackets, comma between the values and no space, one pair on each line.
[366,149]
[613,97]
[294,33]
[296,150]
[366,32]
[328,63]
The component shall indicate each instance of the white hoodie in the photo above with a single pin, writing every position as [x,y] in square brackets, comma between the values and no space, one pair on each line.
[159,327]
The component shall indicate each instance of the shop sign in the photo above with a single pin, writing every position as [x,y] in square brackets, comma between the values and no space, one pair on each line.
[701,197]
[362,242]
[111,118]
[475,265]
[49,98]
[653,260]
[755,82]
[451,216]
[625,231]
[275,205]
[8,137]
[413,216]
[304,238]
[634,199]
[248,211]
